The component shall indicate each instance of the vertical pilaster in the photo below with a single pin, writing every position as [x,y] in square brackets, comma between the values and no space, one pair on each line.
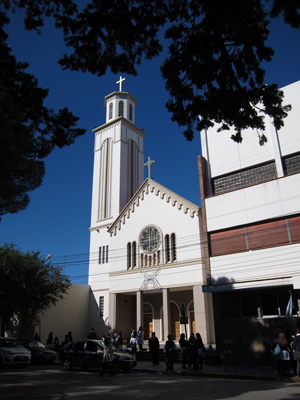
[112,310]
[166,314]
[204,318]
[139,309]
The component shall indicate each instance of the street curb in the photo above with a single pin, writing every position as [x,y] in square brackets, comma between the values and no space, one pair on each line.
[220,375]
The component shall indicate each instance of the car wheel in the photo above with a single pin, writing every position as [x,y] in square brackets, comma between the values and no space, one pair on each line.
[127,369]
[67,364]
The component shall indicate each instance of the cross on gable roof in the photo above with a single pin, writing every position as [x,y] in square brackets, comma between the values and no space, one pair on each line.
[150,186]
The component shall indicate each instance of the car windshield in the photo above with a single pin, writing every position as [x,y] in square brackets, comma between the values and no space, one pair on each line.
[9,343]
[101,342]
[36,344]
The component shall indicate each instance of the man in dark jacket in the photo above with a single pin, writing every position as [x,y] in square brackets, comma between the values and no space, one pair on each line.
[154,348]
[170,350]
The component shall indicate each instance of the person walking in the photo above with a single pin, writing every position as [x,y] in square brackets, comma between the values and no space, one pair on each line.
[107,360]
[170,351]
[154,349]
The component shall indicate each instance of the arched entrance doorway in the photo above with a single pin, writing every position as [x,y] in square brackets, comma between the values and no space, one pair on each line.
[148,320]
[175,326]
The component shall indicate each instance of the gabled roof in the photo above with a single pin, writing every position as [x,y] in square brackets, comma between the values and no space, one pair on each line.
[150,186]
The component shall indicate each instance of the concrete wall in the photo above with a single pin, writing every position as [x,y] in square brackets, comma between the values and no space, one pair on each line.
[70,314]
[226,156]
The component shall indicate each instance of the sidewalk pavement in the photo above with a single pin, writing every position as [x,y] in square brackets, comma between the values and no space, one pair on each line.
[230,372]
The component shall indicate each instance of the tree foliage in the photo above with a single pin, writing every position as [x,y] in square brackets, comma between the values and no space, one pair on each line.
[28,285]
[214,71]
[29,130]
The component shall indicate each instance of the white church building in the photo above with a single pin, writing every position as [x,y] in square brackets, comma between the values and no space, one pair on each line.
[146,263]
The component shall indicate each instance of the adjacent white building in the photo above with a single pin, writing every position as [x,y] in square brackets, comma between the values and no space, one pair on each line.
[145,246]
[250,198]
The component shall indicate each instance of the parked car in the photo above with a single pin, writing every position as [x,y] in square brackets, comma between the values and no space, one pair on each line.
[88,353]
[13,353]
[39,352]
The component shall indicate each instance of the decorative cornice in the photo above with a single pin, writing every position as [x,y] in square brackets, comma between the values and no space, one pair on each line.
[199,263]
[150,186]
[115,122]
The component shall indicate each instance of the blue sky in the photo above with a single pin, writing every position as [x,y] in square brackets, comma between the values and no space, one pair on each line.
[57,219]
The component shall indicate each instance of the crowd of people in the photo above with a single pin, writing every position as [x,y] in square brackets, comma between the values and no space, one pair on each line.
[287,352]
[191,351]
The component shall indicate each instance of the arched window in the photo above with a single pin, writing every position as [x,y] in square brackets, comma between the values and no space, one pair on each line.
[128,255]
[130,112]
[110,111]
[170,248]
[121,108]
[167,247]
[173,247]
[133,254]
[105,179]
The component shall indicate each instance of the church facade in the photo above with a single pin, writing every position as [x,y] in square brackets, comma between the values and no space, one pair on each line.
[146,266]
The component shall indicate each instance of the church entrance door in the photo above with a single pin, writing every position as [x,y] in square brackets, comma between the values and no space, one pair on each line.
[148,326]
[192,322]
[175,327]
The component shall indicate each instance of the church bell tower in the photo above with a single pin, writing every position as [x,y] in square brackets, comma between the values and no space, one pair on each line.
[118,159]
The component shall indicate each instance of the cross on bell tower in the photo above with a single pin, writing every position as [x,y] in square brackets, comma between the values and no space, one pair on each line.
[120,81]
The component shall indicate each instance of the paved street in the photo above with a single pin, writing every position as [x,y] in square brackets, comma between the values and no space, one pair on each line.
[53,383]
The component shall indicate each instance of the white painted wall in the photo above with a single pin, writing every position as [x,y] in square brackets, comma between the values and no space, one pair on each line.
[265,264]
[226,156]
[156,211]
[255,203]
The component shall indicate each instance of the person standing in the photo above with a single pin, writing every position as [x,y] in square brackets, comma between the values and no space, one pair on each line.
[92,334]
[56,343]
[193,353]
[296,350]
[133,340]
[50,340]
[119,341]
[283,358]
[154,349]
[140,338]
[36,337]
[183,350]
[170,351]
[200,349]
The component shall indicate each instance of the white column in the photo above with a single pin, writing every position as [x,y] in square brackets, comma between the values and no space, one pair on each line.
[112,319]
[139,309]
[166,314]
[204,319]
